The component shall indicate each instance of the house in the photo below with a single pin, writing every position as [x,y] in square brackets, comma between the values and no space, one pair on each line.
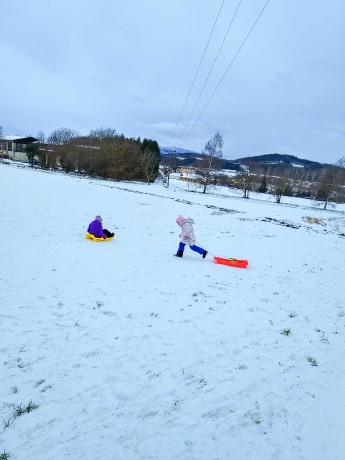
[14,147]
[188,174]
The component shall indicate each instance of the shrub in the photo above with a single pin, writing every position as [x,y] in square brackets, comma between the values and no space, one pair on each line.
[286,331]
[312,361]
[20,410]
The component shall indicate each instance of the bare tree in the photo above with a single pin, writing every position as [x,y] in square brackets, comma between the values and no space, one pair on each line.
[341,163]
[42,152]
[41,137]
[62,136]
[61,141]
[148,163]
[170,164]
[331,185]
[279,188]
[246,179]
[103,133]
[210,162]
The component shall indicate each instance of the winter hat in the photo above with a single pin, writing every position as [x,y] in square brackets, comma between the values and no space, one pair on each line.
[99,218]
[180,220]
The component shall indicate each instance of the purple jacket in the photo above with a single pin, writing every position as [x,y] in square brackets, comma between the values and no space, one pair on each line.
[96,229]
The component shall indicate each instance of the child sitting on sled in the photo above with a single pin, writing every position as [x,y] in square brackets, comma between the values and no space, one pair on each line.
[96,229]
[187,237]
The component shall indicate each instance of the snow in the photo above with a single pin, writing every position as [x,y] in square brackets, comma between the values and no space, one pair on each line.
[171,150]
[131,353]
[14,138]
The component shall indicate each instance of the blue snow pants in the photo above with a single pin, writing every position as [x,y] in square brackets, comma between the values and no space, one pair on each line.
[193,248]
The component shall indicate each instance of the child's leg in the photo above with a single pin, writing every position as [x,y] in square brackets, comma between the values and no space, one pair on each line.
[180,249]
[201,251]
[196,249]
[107,233]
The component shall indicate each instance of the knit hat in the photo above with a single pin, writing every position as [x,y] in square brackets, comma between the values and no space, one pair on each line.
[180,220]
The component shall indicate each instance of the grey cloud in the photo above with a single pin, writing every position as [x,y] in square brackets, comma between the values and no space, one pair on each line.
[129,64]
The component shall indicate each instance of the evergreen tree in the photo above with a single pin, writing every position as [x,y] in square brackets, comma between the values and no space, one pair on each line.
[31,151]
[151,154]
[288,190]
[263,186]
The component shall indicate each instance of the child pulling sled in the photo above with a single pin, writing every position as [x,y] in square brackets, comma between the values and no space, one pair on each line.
[187,237]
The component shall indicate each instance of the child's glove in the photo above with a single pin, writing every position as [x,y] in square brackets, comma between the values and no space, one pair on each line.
[180,235]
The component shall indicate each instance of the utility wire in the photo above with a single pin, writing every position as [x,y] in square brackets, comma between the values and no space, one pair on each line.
[197,71]
[229,66]
[209,73]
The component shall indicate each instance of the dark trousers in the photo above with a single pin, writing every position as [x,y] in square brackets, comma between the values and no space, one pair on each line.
[107,233]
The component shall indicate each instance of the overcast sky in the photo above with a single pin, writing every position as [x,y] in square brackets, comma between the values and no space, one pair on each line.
[129,64]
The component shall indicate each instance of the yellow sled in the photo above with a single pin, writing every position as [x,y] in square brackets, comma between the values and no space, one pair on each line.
[88,236]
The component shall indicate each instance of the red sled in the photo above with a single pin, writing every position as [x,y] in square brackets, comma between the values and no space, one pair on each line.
[231,262]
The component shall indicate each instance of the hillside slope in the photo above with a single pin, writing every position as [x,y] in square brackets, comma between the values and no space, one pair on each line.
[131,353]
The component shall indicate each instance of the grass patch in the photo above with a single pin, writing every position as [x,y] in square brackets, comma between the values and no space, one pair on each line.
[312,361]
[21,409]
[7,424]
[286,331]
[5,456]
[18,411]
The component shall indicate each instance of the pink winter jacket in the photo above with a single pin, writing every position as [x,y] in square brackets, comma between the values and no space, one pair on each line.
[187,236]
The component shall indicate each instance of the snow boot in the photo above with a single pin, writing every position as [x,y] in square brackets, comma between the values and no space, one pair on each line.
[204,254]
[179,253]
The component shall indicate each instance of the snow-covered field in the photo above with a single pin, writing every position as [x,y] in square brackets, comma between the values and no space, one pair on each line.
[131,353]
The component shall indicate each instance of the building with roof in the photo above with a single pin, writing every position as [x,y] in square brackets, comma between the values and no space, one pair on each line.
[14,147]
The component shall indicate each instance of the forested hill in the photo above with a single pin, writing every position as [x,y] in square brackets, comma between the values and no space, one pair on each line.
[279,160]
[189,158]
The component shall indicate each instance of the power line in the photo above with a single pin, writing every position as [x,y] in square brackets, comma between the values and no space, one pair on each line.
[197,71]
[229,66]
[209,73]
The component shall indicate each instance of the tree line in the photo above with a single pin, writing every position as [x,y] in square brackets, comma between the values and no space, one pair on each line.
[106,154]
[325,183]
[102,153]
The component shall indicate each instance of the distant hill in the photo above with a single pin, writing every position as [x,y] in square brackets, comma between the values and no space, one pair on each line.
[175,150]
[279,160]
[184,157]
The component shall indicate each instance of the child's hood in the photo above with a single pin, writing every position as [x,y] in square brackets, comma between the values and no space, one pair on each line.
[182,220]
